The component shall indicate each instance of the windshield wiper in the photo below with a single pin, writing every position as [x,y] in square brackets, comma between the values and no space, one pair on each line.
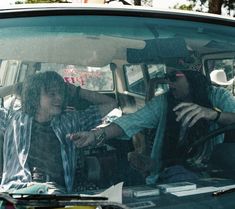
[32,199]
[223,191]
[61,197]
[58,200]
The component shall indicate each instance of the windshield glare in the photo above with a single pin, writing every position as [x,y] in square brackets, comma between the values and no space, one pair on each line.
[162,84]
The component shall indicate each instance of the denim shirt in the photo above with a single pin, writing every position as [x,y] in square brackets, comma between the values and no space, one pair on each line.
[16,173]
[153,115]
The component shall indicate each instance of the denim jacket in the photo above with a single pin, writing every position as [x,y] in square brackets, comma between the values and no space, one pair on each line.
[16,173]
[153,115]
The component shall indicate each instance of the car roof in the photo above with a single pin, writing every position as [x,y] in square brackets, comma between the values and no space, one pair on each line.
[105,47]
[114,9]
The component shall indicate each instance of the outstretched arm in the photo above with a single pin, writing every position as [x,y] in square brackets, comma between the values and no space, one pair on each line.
[147,117]
[82,139]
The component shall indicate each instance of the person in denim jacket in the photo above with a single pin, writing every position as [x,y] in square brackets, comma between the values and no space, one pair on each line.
[35,143]
[188,111]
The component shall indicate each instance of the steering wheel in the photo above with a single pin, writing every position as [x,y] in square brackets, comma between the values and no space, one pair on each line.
[223,155]
[211,134]
[208,136]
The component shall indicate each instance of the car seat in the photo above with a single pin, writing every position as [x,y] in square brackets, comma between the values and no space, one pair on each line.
[140,159]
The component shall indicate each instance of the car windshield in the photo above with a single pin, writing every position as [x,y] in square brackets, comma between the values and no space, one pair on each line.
[91,100]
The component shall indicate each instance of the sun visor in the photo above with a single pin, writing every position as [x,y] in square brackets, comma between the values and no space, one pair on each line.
[157,50]
[77,49]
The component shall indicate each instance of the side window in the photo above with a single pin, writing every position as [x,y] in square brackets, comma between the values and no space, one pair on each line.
[221,72]
[158,71]
[134,79]
[91,78]
[9,70]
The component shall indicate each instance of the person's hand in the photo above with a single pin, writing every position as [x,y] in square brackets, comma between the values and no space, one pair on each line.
[82,139]
[190,113]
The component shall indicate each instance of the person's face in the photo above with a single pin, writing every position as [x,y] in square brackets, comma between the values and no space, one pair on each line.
[51,102]
[178,84]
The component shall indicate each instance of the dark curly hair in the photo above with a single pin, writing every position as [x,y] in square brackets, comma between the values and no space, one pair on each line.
[33,86]
[199,87]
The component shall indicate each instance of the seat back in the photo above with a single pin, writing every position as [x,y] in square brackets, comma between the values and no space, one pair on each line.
[143,141]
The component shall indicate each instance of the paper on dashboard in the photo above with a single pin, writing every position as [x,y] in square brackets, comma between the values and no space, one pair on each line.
[201,190]
[113,193]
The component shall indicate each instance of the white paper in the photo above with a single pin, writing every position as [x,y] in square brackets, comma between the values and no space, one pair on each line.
[113,193]
[195,191]
[202,190]
[226,187]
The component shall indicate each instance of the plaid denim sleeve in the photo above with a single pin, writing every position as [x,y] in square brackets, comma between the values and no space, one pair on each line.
[146,117]
[3,119]
[90,118]
[223,99]
[16,145]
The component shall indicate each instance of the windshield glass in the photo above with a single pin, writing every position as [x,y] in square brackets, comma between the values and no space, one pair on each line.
[89,101]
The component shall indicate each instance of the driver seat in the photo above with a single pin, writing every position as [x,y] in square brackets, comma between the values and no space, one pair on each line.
[143,141]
